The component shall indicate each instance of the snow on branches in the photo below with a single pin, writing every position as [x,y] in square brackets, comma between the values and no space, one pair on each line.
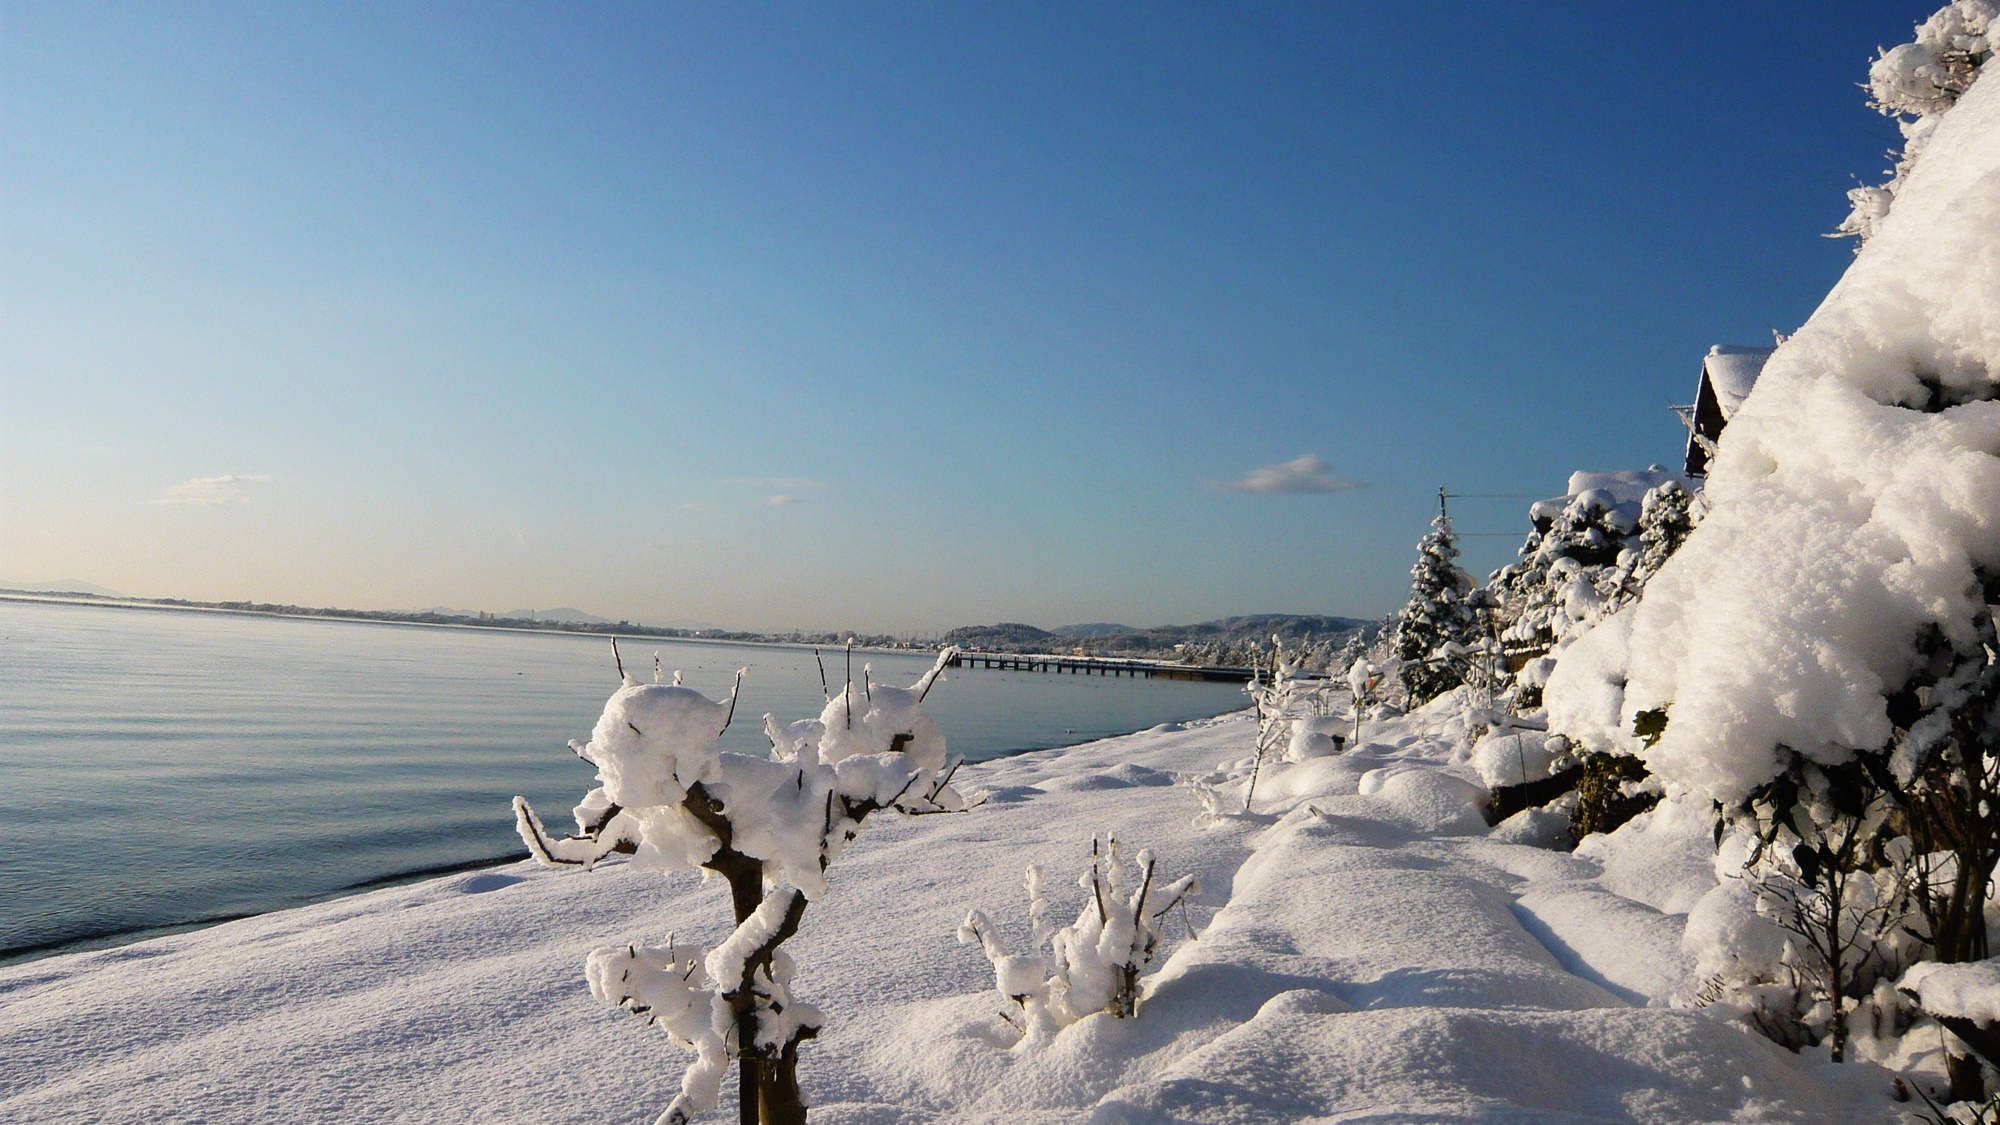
[1093,964]
[1915,83]
[673,801]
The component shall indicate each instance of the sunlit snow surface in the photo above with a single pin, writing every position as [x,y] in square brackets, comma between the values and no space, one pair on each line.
[1370,958]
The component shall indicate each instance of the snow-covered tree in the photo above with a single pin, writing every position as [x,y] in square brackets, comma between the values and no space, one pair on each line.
[1094,963]
[1666,519]
[673,801]
[1438,625]
[1292,711]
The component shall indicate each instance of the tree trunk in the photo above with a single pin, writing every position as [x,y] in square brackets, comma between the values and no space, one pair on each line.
[1966,1077]
[779,1099]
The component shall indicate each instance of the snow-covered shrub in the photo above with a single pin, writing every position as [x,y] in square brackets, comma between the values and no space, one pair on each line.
[1091,965]
[1510,756]
[1915,83]
[673,801]
[1612,789]
[1821,856]
[1293,711]
[1438,626]
[1830,611]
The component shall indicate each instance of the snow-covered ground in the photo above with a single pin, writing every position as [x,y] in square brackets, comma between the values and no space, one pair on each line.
[1368,951]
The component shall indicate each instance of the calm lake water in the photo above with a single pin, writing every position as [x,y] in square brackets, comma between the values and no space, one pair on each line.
[164,769]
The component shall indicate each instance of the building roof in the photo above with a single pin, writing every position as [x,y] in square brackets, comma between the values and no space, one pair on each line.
[1728,372]
[1732,369]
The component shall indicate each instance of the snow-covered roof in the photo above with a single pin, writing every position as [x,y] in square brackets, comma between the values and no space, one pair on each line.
[1619,489]
[1732,369]
[1628,486]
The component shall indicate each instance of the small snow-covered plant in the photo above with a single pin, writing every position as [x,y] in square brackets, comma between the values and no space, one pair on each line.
[1091,965]
[1294,711]
[673,801]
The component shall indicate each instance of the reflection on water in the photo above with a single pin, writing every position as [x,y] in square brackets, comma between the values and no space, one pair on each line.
[163,768]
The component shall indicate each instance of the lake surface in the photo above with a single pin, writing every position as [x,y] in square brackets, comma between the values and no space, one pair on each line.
[162,769]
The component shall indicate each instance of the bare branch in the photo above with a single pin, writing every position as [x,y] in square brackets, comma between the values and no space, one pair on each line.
[733,693]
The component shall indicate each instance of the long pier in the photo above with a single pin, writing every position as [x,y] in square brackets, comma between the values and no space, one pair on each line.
[1100,666]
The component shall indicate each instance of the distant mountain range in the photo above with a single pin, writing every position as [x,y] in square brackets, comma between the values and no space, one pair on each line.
[70,586]
[1224,639]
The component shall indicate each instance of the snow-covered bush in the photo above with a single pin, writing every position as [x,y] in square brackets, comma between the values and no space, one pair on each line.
[1821,648]
[1915,83]
[1827,865]
[1091,965]
[673,801]
[1293,711]
[1666,518]
[1439,626]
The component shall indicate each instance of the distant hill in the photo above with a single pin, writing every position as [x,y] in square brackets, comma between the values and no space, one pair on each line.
[1224,639]
[1004,637]
[69,586]
[558,613]
[1095,629]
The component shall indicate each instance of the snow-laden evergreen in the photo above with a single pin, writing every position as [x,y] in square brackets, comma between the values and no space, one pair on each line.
[1439,625]
[1587,558]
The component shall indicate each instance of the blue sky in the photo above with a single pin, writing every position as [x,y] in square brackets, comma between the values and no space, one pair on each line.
[886,316]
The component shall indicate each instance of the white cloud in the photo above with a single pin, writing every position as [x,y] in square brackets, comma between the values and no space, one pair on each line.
[1301,474]
[783,484]
[782,501]
[227,489]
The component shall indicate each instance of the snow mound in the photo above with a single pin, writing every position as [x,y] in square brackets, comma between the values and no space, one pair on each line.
[1967,991]
[1429,801]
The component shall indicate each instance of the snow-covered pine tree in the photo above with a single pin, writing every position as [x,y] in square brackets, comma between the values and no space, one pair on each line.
[1438,624]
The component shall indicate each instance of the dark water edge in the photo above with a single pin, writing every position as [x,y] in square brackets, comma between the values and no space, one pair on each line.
[113,938]
[130,935]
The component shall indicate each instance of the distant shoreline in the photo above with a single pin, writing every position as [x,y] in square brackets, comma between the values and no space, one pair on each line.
[440,621]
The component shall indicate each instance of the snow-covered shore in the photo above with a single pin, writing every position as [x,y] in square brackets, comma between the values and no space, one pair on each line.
[1367,952]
